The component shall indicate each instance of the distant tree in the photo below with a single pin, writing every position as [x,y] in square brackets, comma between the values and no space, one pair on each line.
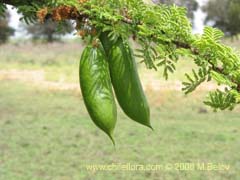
[224,15]
[49,30]
[191,5]
[5,30]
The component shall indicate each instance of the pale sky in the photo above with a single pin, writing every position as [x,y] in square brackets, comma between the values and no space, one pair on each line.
[14,21]
[199,18]
[198,21]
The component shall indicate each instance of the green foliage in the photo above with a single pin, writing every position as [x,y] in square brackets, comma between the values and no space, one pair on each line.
[164,33]
[168,60]
[221,100]
[148,54]
[191,5]
[195,80]
[218,62]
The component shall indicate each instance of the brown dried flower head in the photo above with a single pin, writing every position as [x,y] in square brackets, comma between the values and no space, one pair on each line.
[95,43]
[41,14]
[82,33]
[62,13]
[93,32]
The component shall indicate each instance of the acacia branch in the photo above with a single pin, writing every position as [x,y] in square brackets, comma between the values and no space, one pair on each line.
[127,20]
[195,52]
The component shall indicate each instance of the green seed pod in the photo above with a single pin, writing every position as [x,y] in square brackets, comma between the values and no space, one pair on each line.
[125,80]
[96,89]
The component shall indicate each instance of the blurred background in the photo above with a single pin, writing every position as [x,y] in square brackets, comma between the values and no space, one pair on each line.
[46,132]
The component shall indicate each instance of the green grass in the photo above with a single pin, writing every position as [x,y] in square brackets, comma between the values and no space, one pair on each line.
[57,60]
[46,135]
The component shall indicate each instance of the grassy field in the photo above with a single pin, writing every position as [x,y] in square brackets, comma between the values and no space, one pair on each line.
[46,134]
[59,61]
